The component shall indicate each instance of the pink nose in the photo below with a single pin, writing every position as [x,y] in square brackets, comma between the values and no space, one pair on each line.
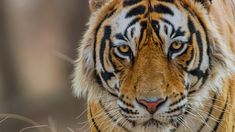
[151,104]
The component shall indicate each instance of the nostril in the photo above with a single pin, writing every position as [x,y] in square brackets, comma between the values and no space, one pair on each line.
[151,104]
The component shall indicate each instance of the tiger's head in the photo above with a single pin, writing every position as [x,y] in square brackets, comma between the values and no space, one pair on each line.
[153,60]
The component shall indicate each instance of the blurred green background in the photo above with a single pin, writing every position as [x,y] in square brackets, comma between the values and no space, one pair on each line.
[38,41]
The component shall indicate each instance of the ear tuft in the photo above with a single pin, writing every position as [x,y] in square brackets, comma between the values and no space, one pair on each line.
[96,4]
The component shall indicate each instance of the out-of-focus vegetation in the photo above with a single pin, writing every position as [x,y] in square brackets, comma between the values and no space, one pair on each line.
[38,40]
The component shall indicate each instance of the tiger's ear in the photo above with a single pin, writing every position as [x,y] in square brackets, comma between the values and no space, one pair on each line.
[205,3]
[96,4]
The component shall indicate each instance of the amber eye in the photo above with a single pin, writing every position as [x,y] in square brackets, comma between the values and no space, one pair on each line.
[176,49]
[124,49]
[123,52]
[176,45]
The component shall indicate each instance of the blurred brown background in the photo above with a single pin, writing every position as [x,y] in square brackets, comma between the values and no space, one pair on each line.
[38,40]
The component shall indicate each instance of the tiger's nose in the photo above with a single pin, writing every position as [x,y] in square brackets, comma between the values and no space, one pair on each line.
[151,104]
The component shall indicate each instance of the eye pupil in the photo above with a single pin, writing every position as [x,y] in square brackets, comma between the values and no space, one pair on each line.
[176,45]
[124,48]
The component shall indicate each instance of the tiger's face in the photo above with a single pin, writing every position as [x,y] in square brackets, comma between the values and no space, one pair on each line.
[152,57]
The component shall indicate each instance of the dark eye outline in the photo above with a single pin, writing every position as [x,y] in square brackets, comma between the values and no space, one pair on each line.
[172,50]
[179,46]
[123,51]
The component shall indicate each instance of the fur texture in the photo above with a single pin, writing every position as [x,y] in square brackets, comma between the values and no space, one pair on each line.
[180,51]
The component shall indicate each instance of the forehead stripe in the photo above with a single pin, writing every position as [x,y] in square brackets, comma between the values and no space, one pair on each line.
[169,1]
[134,21]
[136,11]
[130,2]
[143,27]
[156,29]
[162,9]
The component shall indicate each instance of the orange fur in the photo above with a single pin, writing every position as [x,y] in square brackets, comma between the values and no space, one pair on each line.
[153,74]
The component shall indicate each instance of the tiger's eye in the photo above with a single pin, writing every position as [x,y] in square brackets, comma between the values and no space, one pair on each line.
[124,48]
[177,45]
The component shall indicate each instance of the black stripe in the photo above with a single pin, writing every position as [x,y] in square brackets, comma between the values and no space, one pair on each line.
[200,46]
[169,1]
[121,98]
[191,26]
[191,30]
[178,32]
[134,21]
[192,92]
[143,25]
[94,122]
[130,2]
[198,34]
[201,77]
[110,57]
[176,109]
[136,11]
[132,32]
[128,111]
[202,24]
[160,8]
[105,39]
[96,33]
[192,56]
[98,79]
[112,117]
[120,36]
[197,73]
[114,95]
[106,75]
[156,28]
[209,113]
[181,120]
[178,101]
[221,116]
[170,24]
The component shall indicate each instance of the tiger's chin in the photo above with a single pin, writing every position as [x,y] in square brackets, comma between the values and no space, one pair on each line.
[152,124]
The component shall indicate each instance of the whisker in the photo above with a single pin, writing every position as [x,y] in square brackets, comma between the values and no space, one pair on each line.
[183,123]
[199,119]
[123,124]
[70,129]
[32,127]
[98,113]
[115,123]
[97,116]
[216,107]
[109,120]
[5,118]
[218,100]
[81,114]
[104,121]
[210,117]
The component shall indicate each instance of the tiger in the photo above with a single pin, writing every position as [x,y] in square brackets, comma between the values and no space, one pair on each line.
[158,66]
